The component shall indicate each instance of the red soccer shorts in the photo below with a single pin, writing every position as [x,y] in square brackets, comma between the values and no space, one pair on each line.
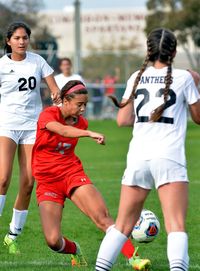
[60,190]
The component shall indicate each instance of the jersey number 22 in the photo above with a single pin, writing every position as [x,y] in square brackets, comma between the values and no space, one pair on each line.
[171,101]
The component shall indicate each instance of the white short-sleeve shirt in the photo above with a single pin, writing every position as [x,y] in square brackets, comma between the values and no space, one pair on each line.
[20,91]
[61,80]
[166,137]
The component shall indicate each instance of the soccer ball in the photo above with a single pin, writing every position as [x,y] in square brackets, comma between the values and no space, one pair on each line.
[146,228]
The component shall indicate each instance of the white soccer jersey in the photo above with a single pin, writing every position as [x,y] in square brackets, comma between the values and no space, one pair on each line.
[166,137]
[61,80]
[20,91]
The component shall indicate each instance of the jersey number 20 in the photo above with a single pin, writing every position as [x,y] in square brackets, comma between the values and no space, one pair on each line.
[171,101]
[27,84]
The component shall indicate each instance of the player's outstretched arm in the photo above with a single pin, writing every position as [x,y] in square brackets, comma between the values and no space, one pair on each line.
[125,116]
[70,131]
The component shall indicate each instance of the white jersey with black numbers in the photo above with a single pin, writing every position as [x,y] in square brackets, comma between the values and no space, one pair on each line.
[20,91]
[166,137]
[61,79]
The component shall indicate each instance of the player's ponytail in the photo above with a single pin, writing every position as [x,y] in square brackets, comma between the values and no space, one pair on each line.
[163,44]
[137,80]
[10,31]
[157,113]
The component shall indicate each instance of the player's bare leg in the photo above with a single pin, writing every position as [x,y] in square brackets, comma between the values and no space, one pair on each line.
[20,210]
[174,202]
[88,199]
[131,204]
[7,154]
[90,202]
[51,216]
[26,180]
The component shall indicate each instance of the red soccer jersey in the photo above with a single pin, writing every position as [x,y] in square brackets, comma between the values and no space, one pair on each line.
[53,156]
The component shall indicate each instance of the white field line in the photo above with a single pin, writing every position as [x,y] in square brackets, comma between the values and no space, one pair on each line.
[34,263]
[57,264]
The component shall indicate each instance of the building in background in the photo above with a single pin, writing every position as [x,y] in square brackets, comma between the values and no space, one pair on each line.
[100,28]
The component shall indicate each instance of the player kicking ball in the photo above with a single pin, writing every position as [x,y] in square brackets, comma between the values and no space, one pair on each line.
[59,174]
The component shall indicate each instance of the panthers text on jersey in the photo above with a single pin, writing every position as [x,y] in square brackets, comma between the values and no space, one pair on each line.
[166,137]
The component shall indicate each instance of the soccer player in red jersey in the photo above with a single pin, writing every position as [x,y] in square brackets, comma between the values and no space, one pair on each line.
[59,172]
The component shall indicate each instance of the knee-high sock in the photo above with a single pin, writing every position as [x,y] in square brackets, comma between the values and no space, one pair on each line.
[109,249]
[17,223]
[2,203]
[128,248]
[177,251]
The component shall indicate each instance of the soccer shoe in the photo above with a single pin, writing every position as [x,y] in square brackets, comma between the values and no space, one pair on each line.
[139,264]
[12,245]
[78,258]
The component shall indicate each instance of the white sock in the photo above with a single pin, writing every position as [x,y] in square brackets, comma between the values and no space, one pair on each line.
[2,203]
[110,228]
[109,249]
[177,251]
[17,222]
[62,247]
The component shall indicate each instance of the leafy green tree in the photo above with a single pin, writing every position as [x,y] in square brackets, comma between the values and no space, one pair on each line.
[181,16]
[109,58]
[22,10]
[6,15]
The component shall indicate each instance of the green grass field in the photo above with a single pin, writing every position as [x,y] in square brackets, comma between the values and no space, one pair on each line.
[104,165]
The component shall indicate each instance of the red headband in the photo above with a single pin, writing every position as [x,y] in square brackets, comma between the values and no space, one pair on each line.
[75,88]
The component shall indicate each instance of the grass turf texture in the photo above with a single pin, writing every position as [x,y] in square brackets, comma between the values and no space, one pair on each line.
[104,165]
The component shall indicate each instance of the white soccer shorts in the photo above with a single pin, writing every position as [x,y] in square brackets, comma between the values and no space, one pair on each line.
[20,136]
[154,173]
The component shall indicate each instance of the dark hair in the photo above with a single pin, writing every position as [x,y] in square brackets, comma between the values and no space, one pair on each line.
[68,86]
[10,31]
[161,45]
[65,59]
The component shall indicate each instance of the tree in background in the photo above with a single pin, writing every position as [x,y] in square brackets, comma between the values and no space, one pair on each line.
[27,11]
[14,10]
[109,58]
[181,16]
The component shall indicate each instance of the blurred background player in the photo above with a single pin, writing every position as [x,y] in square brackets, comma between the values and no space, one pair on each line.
[65,66]
[109,82]
[58,131]
[20,76]
[155,102]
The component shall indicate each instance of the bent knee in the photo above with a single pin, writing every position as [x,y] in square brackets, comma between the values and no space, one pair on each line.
[102,220]
[4,183]
[27,186]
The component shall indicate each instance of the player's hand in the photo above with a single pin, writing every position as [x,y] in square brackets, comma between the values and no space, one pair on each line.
[99,138]
[55,96]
